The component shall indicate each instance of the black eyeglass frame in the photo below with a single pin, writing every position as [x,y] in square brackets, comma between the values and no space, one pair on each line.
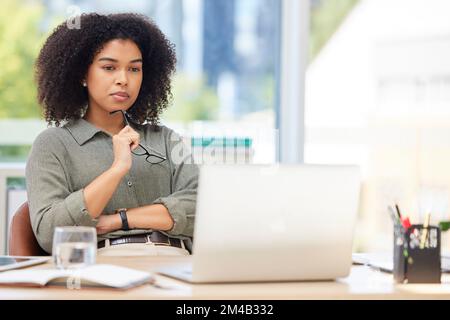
[146,149]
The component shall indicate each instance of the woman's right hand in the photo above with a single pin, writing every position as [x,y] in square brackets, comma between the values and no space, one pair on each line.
[123,143]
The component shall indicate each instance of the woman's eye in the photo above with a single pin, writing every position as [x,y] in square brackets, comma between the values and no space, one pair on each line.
[135,69]
[108,68]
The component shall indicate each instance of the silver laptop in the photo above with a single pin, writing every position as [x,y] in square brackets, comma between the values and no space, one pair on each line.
[272,223]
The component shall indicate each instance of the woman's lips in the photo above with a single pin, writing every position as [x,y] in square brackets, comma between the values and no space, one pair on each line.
[120,97]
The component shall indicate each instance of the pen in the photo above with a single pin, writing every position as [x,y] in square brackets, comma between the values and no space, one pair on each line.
[404,221]
[398,212]
[425,230]
[394,217]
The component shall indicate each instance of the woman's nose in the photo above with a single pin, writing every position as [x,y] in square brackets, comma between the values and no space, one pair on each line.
[122,78]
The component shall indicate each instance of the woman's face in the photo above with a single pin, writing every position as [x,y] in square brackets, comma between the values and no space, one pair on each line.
[115,76]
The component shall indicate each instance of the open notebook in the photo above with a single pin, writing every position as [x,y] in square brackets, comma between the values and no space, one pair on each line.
[100,275]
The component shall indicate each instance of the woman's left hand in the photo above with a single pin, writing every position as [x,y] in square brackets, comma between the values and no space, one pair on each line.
[108,223]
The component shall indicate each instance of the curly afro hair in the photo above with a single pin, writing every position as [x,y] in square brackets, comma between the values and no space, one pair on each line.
[64,60]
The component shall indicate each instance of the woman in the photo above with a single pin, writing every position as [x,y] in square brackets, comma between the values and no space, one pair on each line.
[107,163]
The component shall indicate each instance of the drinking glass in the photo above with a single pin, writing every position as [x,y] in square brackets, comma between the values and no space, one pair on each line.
[74,247]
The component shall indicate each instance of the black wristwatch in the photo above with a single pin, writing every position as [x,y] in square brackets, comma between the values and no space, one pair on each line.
[123,216]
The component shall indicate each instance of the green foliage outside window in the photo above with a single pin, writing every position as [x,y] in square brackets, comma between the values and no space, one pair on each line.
[326,17]
[192,100]
[20,41]
[14,153]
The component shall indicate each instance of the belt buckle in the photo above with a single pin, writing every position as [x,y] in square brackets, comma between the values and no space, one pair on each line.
[121,241]
[149,240]
[159,243]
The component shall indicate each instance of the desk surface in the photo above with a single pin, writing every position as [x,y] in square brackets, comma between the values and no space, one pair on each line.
[362,283]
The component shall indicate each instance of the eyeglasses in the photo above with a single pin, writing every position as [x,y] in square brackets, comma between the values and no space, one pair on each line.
[152,156]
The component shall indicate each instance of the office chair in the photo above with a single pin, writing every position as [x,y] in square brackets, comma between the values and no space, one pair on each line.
[22,241]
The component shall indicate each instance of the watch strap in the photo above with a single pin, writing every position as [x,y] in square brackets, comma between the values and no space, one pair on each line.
[123,217]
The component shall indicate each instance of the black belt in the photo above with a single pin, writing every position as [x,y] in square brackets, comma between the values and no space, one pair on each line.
[157,238]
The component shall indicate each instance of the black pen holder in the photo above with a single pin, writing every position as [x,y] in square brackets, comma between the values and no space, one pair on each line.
[417,254]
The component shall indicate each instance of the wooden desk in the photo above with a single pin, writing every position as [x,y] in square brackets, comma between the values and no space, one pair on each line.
[362,283]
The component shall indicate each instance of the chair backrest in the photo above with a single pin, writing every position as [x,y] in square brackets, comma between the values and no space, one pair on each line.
[22,241]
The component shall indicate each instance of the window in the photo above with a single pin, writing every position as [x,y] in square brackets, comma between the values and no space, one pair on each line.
[225,87]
